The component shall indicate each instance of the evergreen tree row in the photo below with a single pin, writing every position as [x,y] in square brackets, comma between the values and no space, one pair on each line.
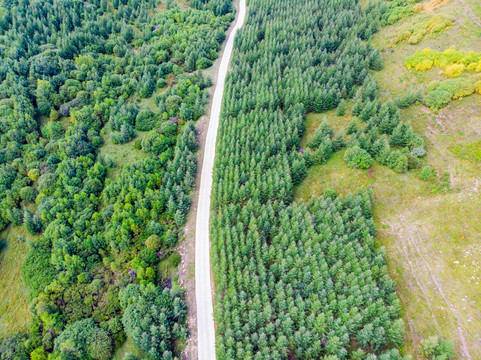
[302,281]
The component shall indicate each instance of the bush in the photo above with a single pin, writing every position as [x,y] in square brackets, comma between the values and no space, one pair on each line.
[426,173]
[174,260]
[168,128]
[418,152]
[146,120]
[437,99]
[411,97]
[38,354]
[28,194]
[358,158]
[37,271]
[454,70]
[13,348]
[434,348]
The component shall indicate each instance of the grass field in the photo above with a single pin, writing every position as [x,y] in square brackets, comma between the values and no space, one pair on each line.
[14,313]
[430,229]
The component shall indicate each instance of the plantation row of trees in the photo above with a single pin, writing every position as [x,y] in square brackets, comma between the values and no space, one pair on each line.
[72,76]
[303,281]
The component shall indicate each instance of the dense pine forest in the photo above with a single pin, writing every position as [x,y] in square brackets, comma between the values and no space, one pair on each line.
[304,280]
[74,76]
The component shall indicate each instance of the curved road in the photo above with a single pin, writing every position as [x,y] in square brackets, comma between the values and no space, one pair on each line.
[203,289]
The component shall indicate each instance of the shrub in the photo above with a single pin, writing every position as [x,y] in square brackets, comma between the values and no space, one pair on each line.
[411,97]
[174,260]
[358,158]
[416,29]
[146,120]
[413,162]
[168,128]
[434,348]
[426,173]
[38,354]
[330,193]
[437,99]
[13,348]
[28,194]
[454,70]
[418,152]
[37,271]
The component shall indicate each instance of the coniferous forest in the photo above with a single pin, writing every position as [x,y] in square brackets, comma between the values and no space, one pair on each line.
[73,76]
[303,280]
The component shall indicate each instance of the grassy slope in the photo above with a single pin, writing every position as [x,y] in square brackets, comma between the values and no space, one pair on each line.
[14,313]
[432,237]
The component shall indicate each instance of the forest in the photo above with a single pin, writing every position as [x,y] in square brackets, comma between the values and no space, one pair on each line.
[75,76]
[304,280]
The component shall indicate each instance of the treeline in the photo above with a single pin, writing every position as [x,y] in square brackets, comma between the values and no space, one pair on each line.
[72,75]
[303,281]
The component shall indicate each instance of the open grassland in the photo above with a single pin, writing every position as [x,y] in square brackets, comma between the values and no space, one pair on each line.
[14,314]
[430,229]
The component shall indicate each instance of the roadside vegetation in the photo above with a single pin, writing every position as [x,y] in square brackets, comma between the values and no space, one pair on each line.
[97,160]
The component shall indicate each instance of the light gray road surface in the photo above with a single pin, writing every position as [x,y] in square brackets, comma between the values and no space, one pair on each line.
[203,289]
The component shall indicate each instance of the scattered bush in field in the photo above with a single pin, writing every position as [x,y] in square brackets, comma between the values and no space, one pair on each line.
[471,152]
[397,10]
[427,172]
[453,70]
[434,348]
[418,152]
[424,27]
[453,62]
[431,5]
[412,96]
[439,94]
[358,158]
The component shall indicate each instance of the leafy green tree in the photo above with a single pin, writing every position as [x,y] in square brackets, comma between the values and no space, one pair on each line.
[154,242]
[83,339]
